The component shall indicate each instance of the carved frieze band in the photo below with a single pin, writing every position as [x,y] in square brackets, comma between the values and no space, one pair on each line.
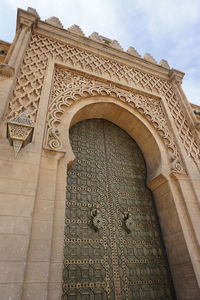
[30,80]
[70,86]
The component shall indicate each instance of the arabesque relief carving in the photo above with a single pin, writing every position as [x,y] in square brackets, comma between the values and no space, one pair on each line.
[70,86]
[30,80]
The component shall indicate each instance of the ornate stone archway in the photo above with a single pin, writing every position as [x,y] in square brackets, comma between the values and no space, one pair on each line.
[69,87]
[58,78]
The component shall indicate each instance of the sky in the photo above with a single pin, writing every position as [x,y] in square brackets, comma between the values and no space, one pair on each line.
[167,29]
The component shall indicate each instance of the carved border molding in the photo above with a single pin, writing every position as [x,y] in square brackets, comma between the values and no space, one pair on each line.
[69,87]
[30,81]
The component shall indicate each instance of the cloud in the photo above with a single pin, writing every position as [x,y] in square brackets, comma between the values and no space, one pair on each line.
[166,16]
[91,15]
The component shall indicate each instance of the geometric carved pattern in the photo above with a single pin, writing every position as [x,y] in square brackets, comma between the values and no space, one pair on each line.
[109,174]
[69,87]
[30,80]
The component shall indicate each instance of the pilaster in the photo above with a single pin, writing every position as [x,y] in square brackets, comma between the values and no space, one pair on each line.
[45,216]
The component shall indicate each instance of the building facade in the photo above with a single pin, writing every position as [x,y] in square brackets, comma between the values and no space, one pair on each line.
[101,240]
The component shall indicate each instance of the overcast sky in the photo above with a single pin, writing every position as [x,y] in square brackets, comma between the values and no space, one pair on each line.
[167,29]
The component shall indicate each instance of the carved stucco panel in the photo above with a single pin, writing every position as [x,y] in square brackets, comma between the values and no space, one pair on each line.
[29,83]
[70,87]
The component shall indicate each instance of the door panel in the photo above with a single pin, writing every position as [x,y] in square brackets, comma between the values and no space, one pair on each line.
[113,248]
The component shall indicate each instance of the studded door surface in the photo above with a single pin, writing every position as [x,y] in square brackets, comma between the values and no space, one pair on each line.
[113,248]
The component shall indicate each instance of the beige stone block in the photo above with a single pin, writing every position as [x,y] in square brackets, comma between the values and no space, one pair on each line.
[55,291]
[58,230]
[59,217]
[189,195]
[198,277]
[40,250]
[25,156]
[187,270]
[194,213]
[175,239]
[161,190]
[35,291]
[164,214]
[47,177]
[10,291]
[56,272]
[62,179]
[41,229]
[61,195]
[46,191]
[44,210]
[37,272]
[49,163]
[184,182]
[16,205]
[164,201]
[13,247]
[170,226]
[196,183]
[15,225]
[17,186]
[28,156]
[187,289]
[18,170]
[5,148]
[11,271]
[57,254]
[178,254]
[60,204]
[190,239]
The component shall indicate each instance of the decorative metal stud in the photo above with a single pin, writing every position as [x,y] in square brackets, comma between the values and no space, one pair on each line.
[97,220]
[129,223]
[20,131]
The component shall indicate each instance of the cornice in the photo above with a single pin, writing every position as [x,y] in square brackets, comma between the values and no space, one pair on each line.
[24,18]
[176,76]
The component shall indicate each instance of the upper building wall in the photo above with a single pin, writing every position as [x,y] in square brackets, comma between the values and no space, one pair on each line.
[39,45]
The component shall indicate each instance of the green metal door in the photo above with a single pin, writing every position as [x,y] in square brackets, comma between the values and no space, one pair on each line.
[113,247]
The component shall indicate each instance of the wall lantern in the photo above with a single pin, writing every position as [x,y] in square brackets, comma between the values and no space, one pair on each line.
[20,131]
